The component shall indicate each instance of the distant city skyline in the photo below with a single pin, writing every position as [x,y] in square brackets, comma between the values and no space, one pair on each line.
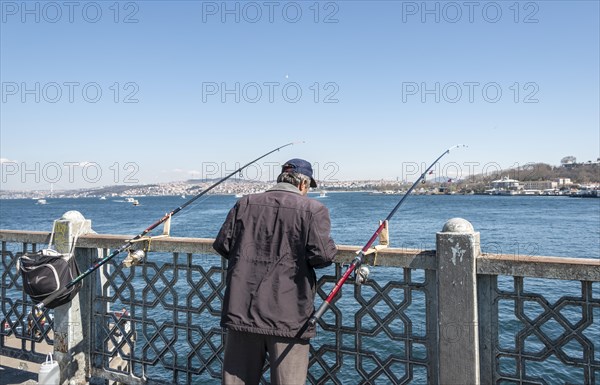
[440,173]
[102,93]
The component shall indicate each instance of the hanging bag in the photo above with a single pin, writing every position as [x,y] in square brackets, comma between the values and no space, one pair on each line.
[49,372]
[46,271]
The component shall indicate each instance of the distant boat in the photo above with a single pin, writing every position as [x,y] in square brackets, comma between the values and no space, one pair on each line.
[41,202]
[587,192]
[135,202]
[102,198]
[239,195]
[130,200]
[323,194]
[183,196]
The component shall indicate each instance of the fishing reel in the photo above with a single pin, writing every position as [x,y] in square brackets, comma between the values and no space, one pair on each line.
[138,256]
[361,275]
[134,258]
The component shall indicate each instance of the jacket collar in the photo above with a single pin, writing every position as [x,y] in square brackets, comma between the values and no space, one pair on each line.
[284,186]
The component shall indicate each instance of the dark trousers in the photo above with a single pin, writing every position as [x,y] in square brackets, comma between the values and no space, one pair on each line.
[245,355]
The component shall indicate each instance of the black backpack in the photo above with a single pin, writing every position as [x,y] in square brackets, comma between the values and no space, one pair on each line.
[47,271]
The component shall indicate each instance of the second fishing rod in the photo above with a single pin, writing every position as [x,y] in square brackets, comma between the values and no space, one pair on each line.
[141,235]
[358,259]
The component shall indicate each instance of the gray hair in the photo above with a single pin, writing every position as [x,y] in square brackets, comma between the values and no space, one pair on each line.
[294,178]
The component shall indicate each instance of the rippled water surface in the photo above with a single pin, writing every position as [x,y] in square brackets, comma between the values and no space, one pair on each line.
[552,226]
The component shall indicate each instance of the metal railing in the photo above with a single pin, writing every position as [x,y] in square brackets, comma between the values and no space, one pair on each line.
[399,327]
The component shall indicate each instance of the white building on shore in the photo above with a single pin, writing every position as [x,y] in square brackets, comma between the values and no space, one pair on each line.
[505,186]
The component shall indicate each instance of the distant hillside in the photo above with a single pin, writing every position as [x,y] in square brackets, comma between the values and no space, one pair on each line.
[580,173]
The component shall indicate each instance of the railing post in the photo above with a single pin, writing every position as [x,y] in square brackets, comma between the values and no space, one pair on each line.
[72,320]
[457,247]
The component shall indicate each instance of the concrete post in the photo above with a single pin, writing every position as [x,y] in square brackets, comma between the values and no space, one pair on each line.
[457,247]
[72,321]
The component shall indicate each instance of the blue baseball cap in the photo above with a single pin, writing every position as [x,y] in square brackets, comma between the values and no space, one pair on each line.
[300,166]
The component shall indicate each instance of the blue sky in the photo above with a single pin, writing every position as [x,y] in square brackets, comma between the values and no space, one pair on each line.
[96,93]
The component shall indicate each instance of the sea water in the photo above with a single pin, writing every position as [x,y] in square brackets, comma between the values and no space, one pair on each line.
[523,225]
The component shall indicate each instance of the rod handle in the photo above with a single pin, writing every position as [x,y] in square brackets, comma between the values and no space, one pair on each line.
[42,304]
[315,317]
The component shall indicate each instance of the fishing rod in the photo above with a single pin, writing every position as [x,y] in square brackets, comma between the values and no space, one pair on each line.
[358,259]
[131,241]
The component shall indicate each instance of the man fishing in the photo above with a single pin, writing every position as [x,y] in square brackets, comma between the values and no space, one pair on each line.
[273,241]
